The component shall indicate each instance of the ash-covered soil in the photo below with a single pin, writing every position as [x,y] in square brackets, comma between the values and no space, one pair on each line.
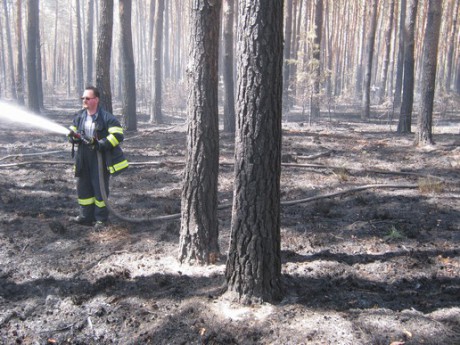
[366,265]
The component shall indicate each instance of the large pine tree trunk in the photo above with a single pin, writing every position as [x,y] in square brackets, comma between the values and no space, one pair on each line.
[229,93]
[405,116]
[156,115]
[253,271]
[129,77]
[33,102]
[199,224]
[104,54]
[428,82]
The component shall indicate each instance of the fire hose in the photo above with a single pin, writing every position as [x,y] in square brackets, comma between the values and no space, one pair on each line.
[100,171]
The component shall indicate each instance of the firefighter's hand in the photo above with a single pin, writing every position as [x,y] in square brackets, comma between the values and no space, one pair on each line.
[99,145]
[73,140]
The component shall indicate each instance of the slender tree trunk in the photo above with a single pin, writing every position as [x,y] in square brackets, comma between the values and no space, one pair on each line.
[20,64]
[104,48]
[39,66]
[129,77]
[287,54]
[229,92]
[199,224]
[253,271]
[316,66]
[405,116]
[12,82]
[359,64]
[366,108]
[33,102]
[430,55]
[400,58]
[156,114]
[89,42]
[451,45]
[78,50]
[386,54]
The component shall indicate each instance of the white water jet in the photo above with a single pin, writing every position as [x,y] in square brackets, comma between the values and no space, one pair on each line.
[17,115]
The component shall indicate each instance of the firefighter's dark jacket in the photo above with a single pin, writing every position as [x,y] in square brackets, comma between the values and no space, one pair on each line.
[109,133]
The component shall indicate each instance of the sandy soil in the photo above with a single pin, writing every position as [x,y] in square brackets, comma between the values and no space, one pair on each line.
[369,266]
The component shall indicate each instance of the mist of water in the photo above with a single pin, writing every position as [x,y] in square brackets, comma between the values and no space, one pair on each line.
[13,114]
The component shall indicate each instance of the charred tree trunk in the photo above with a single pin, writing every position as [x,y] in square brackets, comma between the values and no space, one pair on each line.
[199,225]
[405,116]
[253,271]
[428,83]
[451,45]
[104,54]
[129,77]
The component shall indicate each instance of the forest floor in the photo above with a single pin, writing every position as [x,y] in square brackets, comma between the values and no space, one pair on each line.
[372,265]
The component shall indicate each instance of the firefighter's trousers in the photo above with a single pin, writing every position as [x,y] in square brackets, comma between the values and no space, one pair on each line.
[92,206]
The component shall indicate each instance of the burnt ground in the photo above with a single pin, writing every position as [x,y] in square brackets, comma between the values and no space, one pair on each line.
[370,266]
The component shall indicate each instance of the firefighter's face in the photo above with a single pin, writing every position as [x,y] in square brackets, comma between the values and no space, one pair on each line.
[89,100]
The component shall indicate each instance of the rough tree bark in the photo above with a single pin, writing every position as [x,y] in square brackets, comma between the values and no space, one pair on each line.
[227,68]
[129,77]
[199,223]
[104,48]
[424,134]
[253,271]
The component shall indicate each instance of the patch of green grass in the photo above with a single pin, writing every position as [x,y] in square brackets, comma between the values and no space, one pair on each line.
[394,235]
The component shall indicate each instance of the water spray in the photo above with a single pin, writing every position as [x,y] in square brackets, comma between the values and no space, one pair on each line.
[13,114]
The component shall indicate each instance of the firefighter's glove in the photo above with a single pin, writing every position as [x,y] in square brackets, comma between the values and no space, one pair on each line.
[73,140]
[100,145]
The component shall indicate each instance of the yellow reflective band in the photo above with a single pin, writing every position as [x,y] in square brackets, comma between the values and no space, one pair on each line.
[86,202]
[116,130]
[119,166]
[100,204]
[112,140]
[73,128]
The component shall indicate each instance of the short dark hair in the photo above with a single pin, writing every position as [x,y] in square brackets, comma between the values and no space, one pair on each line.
[94,89]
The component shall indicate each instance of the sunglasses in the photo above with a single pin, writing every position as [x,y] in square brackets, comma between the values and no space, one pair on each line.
[87,98]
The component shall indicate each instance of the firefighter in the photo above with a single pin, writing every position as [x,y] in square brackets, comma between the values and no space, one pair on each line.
[96,130]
